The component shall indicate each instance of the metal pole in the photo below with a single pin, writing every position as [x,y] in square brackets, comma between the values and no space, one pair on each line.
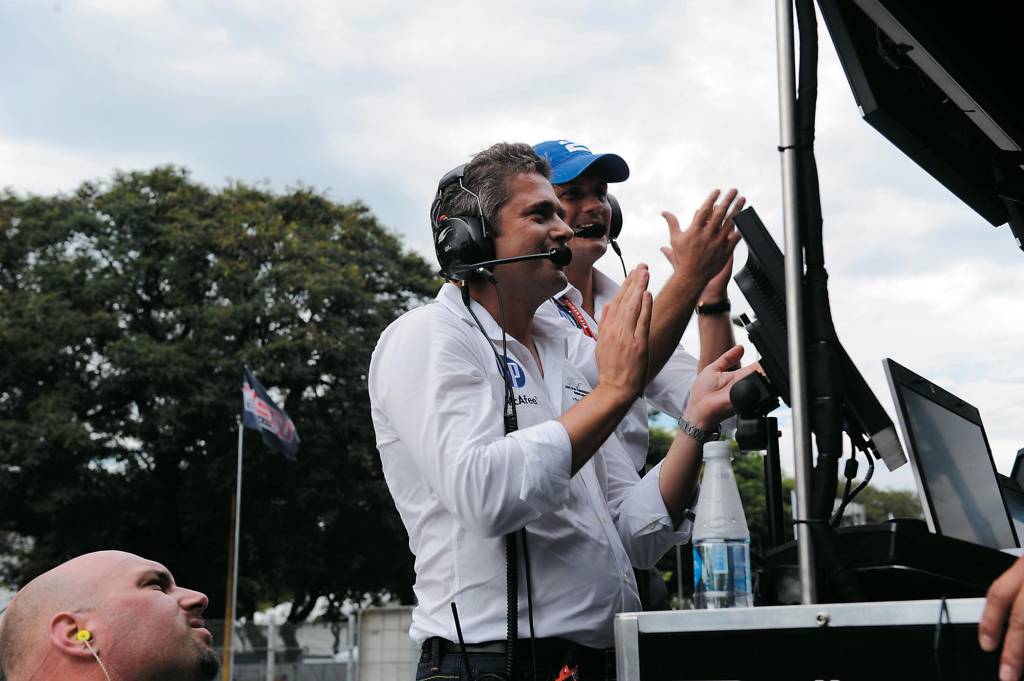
[270,647]
[794,303]
[773,484]
[238,534]
[679,574]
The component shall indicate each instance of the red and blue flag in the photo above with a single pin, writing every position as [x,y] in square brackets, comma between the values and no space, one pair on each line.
[260,413]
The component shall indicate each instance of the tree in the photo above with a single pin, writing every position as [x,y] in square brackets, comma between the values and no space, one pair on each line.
[126,312]
[879,504]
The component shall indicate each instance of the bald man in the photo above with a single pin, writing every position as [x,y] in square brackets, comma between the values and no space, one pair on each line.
[141,625]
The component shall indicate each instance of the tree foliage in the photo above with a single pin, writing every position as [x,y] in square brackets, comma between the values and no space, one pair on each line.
[126,312]
[879,504]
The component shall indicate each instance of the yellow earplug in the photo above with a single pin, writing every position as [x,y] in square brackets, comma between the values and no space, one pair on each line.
[83,635]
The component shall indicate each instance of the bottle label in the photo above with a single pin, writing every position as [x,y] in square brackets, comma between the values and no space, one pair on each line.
[719,558]
[698,568]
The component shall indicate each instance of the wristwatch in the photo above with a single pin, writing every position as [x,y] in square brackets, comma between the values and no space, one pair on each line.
[699,434]
[721,306]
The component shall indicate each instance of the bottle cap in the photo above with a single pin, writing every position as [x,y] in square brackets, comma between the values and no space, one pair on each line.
[718,449]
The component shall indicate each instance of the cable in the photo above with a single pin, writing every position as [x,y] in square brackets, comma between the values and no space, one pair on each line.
[92,650]
[937,641]
[511,423]
[618,252]
[848,496]
[529,604]
[462,643]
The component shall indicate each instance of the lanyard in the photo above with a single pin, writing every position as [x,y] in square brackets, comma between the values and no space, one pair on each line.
[577,315]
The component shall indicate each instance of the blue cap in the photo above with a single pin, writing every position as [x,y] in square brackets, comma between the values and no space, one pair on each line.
[568,160]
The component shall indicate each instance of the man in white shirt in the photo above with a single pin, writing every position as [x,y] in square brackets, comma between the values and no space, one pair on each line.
[463,478]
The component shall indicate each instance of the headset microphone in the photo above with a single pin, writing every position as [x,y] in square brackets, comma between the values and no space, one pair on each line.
[561,256]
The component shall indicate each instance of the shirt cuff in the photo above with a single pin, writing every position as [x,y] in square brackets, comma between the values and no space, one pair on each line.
[547,465]
[651,515]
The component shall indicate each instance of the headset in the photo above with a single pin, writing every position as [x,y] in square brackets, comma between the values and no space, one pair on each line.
[459,240]
[614,229]
[616,225]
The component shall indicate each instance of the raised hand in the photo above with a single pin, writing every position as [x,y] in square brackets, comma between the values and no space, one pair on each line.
[622,344]
[702,251]
[709,396]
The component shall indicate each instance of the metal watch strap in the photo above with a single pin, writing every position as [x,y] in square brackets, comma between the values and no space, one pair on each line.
[699,434]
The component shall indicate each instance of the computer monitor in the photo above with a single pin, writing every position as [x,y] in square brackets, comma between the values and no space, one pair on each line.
[935,78]
[951,460]
[1013,496]
[762,281]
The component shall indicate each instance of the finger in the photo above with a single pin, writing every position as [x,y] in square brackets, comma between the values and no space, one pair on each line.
[997,603]
[742,373]
[732,238]
[1010,662]
[721,209]
[736,208]
[728,359]
[643,326]
[700,215]
[633,300]
[673,222]
[667,252]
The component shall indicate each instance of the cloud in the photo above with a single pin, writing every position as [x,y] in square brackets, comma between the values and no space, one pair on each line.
[376,100]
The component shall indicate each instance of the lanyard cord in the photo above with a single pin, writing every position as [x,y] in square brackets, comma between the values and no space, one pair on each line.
[511,423]
[577,315]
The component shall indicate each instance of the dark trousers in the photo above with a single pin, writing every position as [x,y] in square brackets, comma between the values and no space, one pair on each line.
[441,660]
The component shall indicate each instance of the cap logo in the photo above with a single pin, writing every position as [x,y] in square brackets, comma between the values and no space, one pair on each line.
[572,147]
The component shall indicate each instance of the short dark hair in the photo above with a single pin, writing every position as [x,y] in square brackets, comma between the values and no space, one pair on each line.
[489,176]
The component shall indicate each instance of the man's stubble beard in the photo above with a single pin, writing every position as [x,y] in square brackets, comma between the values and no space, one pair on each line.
[209,665]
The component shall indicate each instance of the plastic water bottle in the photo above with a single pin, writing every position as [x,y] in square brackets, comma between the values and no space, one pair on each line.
[721,540]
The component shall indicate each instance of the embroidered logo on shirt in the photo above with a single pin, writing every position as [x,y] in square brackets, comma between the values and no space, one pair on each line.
[515,372]
[577,390]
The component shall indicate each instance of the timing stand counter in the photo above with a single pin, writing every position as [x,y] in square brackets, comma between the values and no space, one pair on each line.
[897,640]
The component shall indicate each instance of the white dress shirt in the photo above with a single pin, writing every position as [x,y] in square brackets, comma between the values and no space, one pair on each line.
[668,391]
[460,483]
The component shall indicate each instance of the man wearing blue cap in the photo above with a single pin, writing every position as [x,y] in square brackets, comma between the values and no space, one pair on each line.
[581,178]
[701,257]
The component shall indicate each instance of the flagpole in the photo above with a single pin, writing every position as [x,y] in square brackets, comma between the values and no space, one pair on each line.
[232,606]
[225,665]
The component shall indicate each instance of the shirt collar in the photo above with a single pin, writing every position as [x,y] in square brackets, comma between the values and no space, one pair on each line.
[604,289]
[450,296]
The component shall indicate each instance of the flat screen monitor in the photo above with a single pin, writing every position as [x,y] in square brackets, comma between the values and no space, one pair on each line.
[951,460]
[1013,496]
[940,81]
[762,281]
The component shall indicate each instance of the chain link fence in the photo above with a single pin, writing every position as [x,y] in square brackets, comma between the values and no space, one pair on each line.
[289,652]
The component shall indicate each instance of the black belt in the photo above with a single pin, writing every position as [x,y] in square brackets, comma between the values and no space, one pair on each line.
[547,650]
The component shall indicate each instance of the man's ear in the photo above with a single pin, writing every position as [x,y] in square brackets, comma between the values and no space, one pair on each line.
[64,630]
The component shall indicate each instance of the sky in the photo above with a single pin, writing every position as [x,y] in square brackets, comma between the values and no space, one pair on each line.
[375,101]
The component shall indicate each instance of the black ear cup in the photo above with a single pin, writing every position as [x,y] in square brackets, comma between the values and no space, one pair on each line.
[616,224]
[459,240]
